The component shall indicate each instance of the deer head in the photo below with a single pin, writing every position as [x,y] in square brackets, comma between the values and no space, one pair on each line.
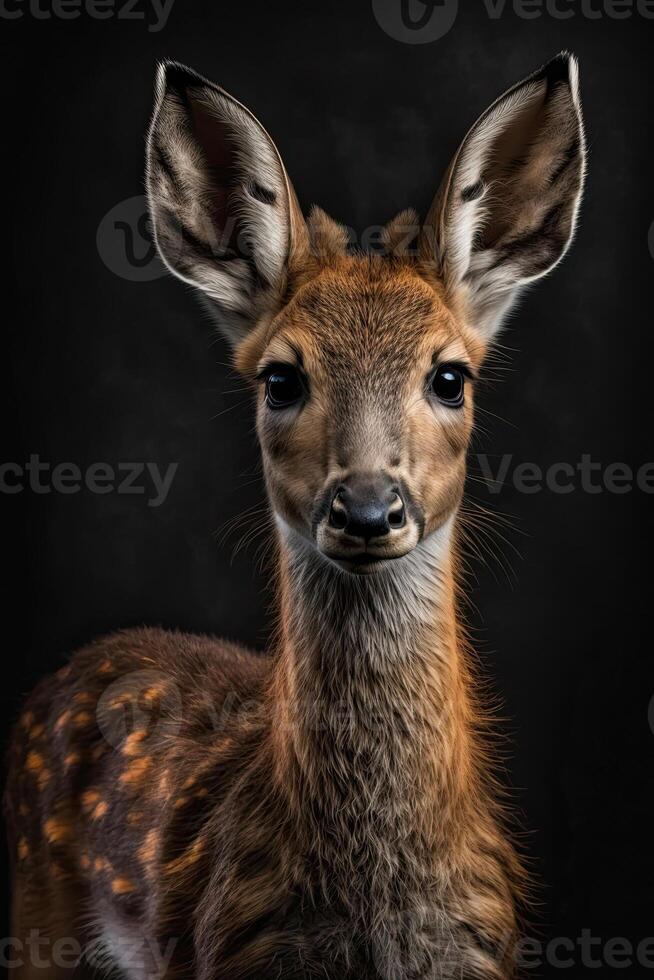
[364,365]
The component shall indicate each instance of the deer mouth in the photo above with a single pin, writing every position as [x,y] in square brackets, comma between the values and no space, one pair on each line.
[362,562]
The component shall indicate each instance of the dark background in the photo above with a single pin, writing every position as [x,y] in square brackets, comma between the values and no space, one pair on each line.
[101,368]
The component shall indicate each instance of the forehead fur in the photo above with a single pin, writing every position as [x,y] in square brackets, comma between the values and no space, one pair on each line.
[364,307]
[360,310]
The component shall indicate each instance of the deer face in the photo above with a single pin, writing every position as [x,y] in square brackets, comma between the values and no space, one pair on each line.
[364,366]
[365,410]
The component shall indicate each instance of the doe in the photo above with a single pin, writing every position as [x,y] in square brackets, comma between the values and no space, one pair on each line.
[342,819]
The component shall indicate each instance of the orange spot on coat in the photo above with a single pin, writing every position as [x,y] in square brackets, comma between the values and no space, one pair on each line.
[43,778]
[133,743]
[122,886]
[153,693]
[187,859]
[89,798]
[57,830]
[34,761]
[120,700]
[62,720]
[100,811]
[83,697]
[137,770]
[82,719]
[148,850]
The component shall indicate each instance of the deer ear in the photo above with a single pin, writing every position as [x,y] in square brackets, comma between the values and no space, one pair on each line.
[224,213]
[506,211]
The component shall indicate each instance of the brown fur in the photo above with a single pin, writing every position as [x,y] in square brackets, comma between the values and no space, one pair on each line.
[328,810]
[312,826]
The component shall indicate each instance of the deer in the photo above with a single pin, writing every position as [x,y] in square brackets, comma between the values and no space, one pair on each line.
[331,808]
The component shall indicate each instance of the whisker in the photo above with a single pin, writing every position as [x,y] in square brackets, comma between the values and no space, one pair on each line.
[230,408]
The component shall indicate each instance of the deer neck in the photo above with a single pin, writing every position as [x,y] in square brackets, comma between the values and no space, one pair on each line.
[370,693]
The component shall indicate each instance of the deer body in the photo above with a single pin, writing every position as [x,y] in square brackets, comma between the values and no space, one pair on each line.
[323,811]
[328,810]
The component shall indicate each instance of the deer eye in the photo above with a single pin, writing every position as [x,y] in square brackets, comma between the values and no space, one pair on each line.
[283,386]
[447,383]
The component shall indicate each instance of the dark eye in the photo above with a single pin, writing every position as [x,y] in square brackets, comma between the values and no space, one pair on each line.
[283,387]
[448,384]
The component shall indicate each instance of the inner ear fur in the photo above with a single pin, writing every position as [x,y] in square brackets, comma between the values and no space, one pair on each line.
[224,213]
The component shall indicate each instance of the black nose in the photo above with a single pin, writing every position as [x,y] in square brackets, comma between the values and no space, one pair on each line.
[367,507]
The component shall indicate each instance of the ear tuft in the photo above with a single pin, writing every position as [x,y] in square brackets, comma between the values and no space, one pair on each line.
[400,233]
[327,238]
